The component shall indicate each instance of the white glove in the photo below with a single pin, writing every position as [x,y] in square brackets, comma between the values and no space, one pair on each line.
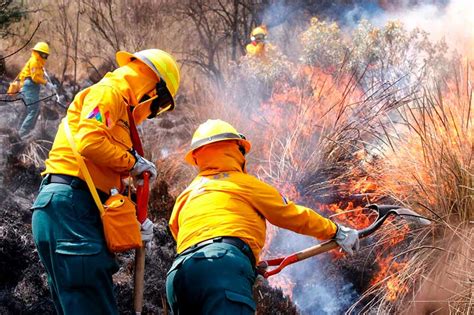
[347,238]
[50,86]
[146,229]
[143,165]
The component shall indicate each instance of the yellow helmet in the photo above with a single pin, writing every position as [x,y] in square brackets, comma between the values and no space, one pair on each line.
[42,47]
[259,33]
[162,64]
[214,130]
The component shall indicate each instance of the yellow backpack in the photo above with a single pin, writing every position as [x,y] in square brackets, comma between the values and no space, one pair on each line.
[15,86]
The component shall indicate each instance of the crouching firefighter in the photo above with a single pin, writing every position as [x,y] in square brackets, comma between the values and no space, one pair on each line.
[67,227]
[219,223]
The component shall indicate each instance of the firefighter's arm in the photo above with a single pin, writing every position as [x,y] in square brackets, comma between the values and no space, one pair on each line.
[284,213]
[37,73]
[100,112]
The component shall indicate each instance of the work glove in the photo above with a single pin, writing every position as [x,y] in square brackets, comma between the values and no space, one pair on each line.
[146,229]
[347,238]
[143,165]
[50,86]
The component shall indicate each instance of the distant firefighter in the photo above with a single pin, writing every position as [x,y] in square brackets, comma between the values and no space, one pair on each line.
[32,77]
[257,44]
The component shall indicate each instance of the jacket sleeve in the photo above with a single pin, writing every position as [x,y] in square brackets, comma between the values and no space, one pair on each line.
[101,109]
[37,72]
[286,214]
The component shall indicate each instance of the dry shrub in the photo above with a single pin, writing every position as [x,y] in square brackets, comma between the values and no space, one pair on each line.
[266,69]
[393,53]
[323,45]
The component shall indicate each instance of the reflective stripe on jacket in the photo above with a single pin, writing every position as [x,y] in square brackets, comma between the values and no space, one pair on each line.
[225,201]
[34,69]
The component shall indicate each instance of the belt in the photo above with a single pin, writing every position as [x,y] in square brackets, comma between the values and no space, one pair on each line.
[74,182]
[235,241]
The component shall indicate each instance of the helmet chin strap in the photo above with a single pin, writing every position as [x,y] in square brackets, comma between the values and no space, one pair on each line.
[242,150]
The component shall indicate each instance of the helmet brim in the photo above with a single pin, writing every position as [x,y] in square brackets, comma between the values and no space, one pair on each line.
[189,155]
[124,57]
[41,51]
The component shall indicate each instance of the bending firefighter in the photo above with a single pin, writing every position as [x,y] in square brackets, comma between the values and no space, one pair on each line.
[32,76]
[67,227]
[219,223]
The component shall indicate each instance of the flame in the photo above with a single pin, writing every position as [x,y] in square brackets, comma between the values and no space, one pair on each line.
[387,276]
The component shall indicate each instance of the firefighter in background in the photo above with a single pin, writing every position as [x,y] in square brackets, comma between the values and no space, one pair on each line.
[219,223]
[257,41]
[32,76]
[67,228]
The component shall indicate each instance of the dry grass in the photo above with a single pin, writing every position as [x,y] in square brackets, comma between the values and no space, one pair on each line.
[35,152]
[428,166]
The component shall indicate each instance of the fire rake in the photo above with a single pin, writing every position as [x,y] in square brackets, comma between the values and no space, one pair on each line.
[383,211]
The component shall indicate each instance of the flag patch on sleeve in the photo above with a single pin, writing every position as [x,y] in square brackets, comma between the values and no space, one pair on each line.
[95,114]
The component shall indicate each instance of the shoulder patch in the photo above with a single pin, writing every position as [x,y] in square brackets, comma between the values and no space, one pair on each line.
[95,114]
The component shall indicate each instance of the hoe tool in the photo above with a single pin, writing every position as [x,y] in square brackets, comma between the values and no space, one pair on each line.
[383,211]
[142,212]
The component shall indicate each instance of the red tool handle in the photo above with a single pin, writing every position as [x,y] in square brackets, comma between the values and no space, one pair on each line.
[143,192]
[282,262]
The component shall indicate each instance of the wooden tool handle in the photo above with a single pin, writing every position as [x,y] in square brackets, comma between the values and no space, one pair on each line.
[139,279]
[317,249]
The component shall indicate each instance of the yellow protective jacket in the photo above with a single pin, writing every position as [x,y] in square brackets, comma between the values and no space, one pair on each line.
[256,49]
[225,201]
[34,69]
[99,122]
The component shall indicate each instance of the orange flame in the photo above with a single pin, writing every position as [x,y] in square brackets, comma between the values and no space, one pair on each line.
[388,269]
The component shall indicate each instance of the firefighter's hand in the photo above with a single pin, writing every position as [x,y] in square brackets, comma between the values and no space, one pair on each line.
[143,165]
[146,229]
[347,238]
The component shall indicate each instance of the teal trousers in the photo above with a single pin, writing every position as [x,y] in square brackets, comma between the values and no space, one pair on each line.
[30,92]
[68,235]
[215,279]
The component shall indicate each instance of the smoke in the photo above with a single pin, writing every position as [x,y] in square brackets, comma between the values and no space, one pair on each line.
[452,21]
[319,286]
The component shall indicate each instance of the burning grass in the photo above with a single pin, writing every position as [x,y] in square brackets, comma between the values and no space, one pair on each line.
[433,144]
[338,138]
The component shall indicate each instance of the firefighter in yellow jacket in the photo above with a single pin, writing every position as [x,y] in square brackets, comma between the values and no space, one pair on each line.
[219,223]
[66,224]
[32,76]
[258,36]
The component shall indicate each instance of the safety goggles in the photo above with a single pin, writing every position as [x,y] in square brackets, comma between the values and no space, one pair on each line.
[257,38]
[43,55]
[163,102]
